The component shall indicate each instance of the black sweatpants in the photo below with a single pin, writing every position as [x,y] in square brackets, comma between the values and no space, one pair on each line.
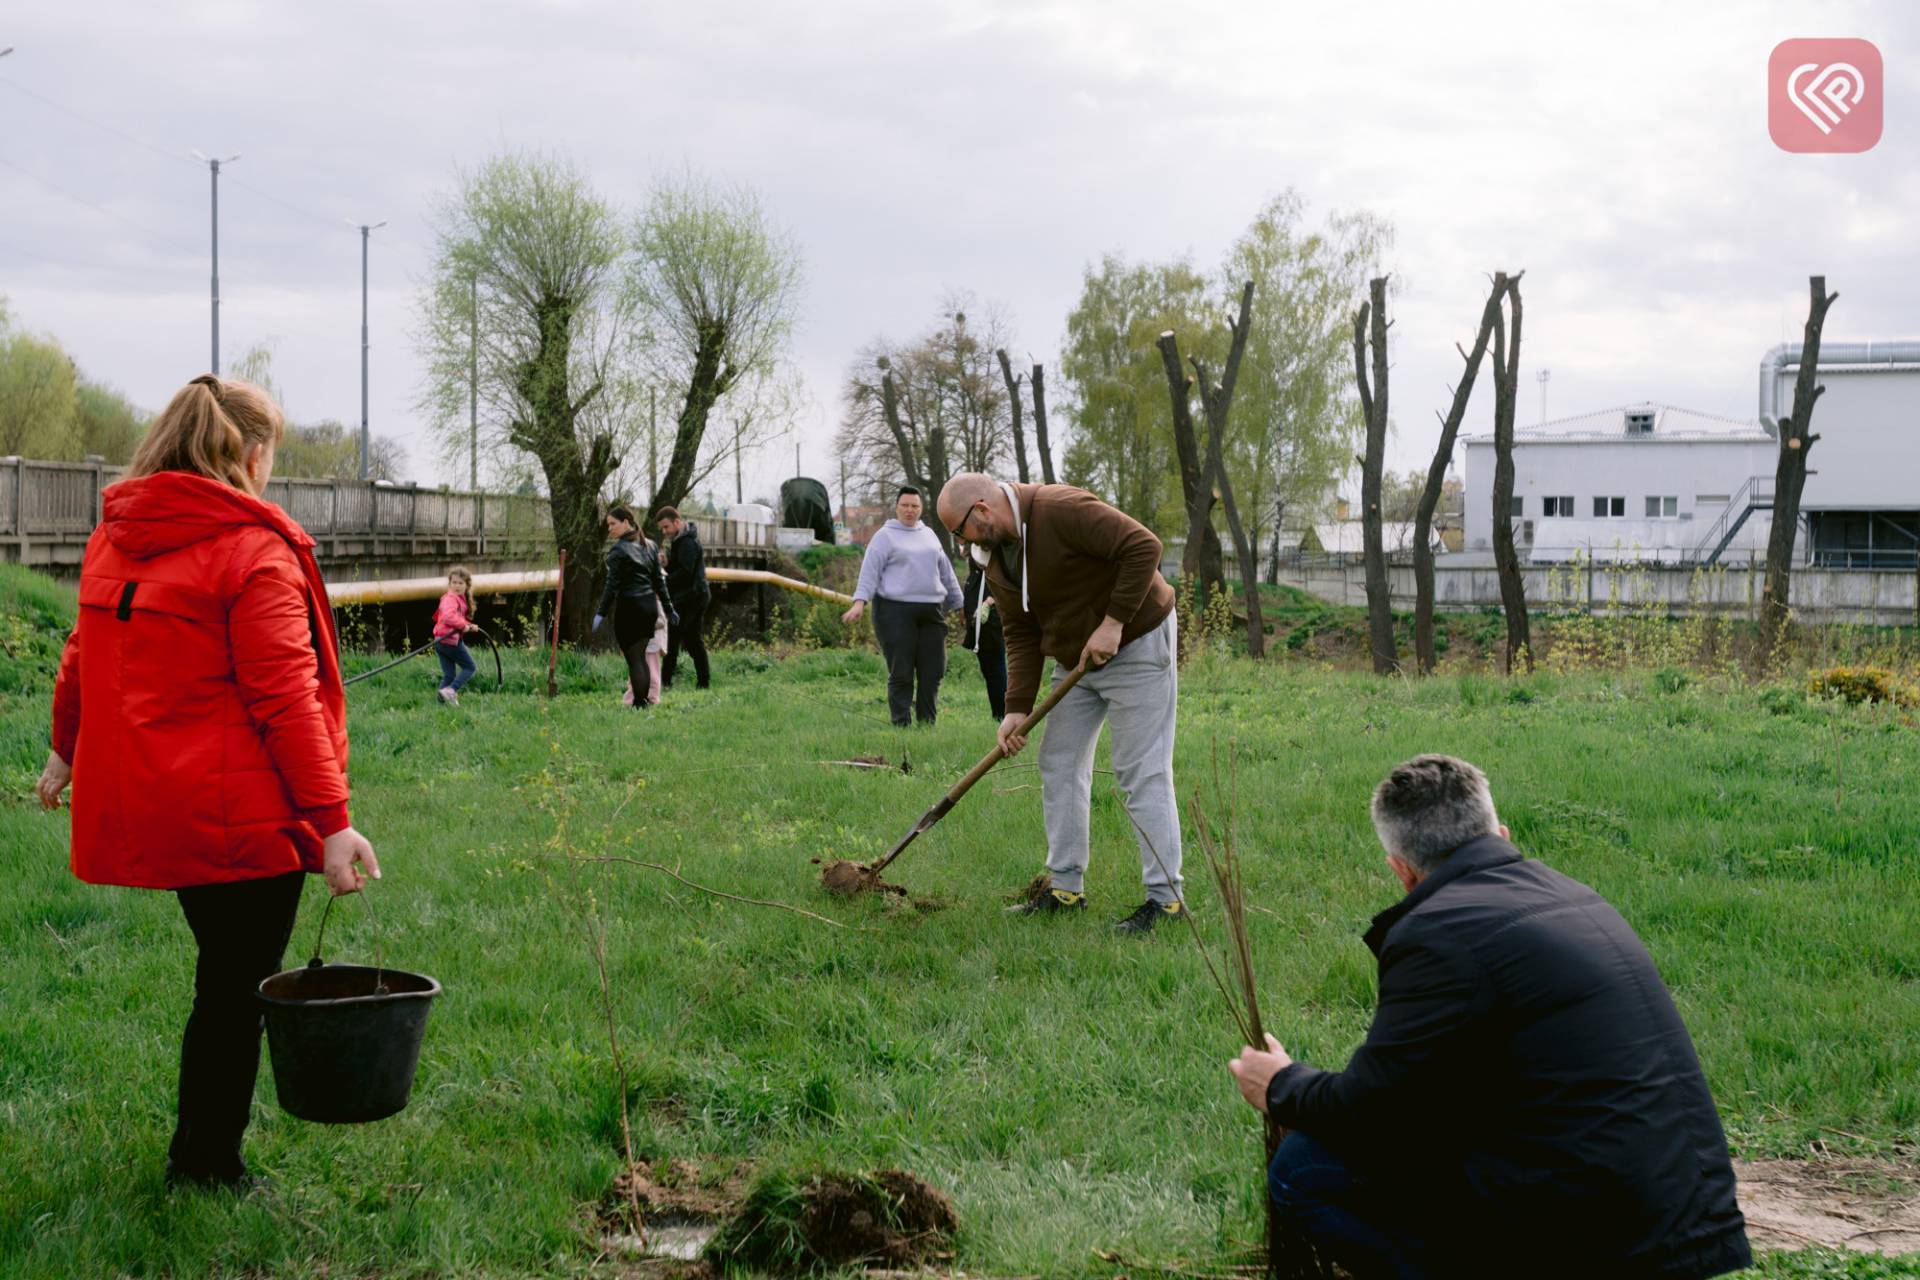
[242,929]
[913,640]
[693,616]
[634,621]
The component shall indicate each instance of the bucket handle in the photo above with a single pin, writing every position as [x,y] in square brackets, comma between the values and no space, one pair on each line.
[379,942]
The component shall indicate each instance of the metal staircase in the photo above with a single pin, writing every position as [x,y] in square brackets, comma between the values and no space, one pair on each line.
[1755,495]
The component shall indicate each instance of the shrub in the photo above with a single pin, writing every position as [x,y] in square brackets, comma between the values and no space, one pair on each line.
[1863,684]
[1671,680]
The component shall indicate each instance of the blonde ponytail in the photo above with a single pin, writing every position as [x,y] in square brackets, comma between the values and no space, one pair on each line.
[207,428]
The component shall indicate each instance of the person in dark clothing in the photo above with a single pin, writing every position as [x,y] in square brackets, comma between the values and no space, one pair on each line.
[1527,1101]
[687,583]
[636,591]
[982,635]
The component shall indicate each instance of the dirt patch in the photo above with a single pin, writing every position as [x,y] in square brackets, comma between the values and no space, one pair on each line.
[1872,1206]
[679,1190]
[848,879]
[888,1218]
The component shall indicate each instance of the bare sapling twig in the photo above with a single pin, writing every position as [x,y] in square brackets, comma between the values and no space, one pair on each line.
[669,871]
[598,934]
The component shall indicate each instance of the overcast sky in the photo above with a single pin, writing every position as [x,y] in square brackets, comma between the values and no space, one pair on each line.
[1618,152]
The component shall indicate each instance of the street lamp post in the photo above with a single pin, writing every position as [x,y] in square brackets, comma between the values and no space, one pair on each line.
[213,164]
[366,232]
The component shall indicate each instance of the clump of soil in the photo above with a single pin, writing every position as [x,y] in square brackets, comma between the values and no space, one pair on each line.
[848,879]
[1035,889]
[888,1218]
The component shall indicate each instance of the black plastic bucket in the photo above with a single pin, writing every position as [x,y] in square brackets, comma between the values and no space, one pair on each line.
[345,1038]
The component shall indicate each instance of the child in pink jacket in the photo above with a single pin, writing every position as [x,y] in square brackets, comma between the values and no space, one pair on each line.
[451,622]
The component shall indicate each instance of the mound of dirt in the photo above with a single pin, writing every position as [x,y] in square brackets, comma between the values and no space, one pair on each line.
[889,1218]
[886,1219]
[847,879]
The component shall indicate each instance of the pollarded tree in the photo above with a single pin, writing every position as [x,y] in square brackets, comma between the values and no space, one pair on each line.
[527,283]
[717,285]
[1795,440]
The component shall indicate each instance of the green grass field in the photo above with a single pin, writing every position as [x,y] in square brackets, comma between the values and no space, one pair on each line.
[1066,1087]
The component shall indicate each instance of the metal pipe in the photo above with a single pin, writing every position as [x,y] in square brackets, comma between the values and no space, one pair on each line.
[1785,355]
[395,590]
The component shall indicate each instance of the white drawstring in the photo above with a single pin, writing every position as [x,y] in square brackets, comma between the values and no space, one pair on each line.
[1020,527]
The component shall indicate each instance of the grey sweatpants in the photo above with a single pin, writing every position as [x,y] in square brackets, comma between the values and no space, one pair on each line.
[1137,693]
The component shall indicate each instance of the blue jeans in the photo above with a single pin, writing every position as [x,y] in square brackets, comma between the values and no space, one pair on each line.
[456,664]
[1324,1202]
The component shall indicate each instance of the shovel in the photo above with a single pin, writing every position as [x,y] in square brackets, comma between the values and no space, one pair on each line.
[979,771]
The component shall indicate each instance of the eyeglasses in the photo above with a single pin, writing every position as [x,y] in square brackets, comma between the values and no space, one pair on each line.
[960,530]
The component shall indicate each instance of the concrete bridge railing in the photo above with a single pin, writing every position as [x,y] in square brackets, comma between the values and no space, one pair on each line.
[364,530]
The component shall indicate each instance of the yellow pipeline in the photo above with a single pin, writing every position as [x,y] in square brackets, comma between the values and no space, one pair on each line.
[393,590]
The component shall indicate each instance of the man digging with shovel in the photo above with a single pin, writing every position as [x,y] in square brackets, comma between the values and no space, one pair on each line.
[1079,581]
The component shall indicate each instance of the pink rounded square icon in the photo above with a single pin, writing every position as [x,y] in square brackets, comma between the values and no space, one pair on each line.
[1824,95]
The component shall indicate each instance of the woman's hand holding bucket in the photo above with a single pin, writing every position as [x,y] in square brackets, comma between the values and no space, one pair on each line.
[343,849]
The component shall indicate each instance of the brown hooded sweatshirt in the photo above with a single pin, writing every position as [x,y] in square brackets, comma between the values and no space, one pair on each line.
[1085,561]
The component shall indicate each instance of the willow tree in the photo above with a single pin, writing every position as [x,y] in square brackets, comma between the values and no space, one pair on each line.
[525,303]
[717,285]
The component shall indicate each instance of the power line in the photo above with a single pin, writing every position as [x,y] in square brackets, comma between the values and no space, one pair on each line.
[89,120]
[284,204]
[57,189]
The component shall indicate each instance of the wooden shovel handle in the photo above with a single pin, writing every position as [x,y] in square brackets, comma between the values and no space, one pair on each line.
[1034,717]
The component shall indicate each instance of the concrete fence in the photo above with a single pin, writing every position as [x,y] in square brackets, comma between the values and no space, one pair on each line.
[1874,597]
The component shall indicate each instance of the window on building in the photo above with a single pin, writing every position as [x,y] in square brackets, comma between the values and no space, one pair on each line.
[1659,508]
[1609,508]
[1640,423]
[1519,506]
[1710,499]
[1558,506]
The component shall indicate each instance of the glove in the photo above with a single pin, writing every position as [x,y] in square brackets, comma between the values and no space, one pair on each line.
[597,618]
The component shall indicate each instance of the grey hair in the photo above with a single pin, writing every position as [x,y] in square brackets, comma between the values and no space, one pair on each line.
[1430,806]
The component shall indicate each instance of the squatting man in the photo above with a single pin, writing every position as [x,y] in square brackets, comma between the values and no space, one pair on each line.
[1527,1101]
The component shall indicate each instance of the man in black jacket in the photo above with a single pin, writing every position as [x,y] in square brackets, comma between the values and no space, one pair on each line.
[687,583]
[1527,1101]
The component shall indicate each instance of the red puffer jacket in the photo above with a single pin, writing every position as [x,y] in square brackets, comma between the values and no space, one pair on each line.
[199,698]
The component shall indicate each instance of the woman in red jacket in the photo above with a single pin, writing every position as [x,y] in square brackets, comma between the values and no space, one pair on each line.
[200,717]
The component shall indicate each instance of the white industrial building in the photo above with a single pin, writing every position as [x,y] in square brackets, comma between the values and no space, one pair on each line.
[1658,483]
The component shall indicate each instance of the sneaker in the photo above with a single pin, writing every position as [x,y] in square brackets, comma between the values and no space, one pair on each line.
[449,697]
[1052,902]
[1148,914]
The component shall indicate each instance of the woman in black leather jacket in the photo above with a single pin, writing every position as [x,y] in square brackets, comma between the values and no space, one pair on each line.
[635,593]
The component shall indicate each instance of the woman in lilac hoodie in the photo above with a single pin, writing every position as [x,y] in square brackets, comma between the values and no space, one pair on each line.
[907,575]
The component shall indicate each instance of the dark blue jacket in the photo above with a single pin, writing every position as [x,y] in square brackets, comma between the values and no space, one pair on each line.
[687,569]
[1527,1085]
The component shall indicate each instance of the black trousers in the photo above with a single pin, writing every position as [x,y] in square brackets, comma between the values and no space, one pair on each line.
[913,640]
[993,669]
[242,929]
[634,621]
[693,616]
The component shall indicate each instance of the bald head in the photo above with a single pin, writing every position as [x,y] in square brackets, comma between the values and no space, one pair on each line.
[974,507]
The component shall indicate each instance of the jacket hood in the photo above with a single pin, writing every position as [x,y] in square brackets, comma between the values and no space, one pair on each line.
[152,515]
[904,527]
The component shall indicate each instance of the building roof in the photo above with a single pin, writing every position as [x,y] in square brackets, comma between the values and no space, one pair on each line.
[1670,422]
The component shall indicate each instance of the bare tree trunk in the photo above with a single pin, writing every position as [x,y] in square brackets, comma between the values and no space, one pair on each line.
[1218,402]
[1790,478]
[909,461]
[1013,407]
[1424,656]
[937,476]
[1506,376]
[1370,325]
[1200,563]
[1040,424]
[1273,547]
